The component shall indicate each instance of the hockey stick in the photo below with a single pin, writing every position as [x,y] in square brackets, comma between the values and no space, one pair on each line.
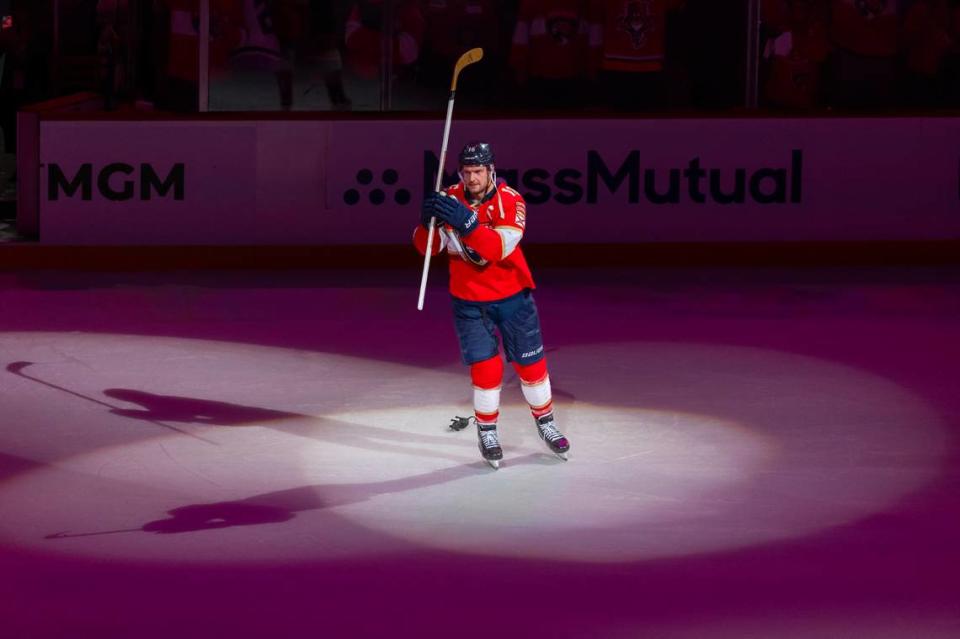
[468,58]
[17,369]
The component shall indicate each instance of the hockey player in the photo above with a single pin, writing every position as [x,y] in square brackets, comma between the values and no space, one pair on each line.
[480,224]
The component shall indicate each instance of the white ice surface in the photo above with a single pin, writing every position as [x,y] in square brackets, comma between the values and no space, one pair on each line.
[677,449]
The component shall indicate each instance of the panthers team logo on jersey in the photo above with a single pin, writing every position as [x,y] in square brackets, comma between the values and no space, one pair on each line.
[563,28]
[637,21]
[521,215]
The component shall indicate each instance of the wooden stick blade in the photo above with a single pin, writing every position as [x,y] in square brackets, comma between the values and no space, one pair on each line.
[468,58]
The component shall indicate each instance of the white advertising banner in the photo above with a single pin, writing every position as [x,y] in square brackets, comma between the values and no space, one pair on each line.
[596,181]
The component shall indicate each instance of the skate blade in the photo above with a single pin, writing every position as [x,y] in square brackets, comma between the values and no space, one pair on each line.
[561,455]
[494,463]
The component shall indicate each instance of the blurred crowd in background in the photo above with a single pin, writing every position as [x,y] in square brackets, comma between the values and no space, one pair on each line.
[861,54]
[540,55]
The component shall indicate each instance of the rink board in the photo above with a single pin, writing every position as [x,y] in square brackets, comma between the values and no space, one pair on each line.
[337,182]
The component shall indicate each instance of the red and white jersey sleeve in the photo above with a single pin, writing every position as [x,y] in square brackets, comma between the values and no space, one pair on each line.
[488,264]
[420,240]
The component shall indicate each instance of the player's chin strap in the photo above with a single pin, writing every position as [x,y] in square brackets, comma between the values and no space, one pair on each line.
[493,180]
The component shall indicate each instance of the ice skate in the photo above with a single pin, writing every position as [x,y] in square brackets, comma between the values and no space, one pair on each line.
[489,443]
[556,442]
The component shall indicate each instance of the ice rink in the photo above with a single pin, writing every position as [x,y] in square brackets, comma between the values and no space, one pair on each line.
[755,453]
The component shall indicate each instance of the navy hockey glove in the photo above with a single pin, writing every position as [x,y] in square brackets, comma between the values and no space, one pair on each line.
[453,213]
[426,212]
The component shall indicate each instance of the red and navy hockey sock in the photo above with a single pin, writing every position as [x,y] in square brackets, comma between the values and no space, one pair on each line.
[535,383]
[487,378]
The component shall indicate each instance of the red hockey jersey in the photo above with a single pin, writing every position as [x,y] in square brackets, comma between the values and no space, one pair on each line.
[488,264]
[226,33]
[557,39]
[363,37]
[455,26]
[866,27]
[633,35]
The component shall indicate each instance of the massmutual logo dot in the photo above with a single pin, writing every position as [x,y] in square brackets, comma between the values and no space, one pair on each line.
[377,196]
